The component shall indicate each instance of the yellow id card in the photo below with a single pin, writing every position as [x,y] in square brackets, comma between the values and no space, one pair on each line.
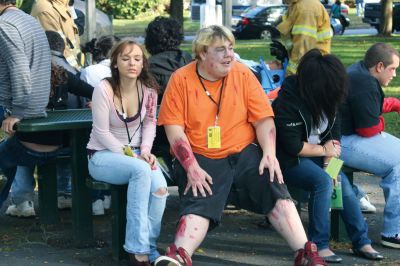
[214,137]
[128,151]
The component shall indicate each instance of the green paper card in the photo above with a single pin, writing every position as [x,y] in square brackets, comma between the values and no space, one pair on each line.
[334,167]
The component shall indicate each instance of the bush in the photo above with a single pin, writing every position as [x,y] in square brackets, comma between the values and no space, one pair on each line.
[129,9]
[350,3]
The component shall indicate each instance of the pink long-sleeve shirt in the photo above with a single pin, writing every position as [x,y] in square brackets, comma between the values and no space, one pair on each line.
[109,131]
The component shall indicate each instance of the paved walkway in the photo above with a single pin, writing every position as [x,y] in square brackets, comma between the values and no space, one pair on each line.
[239,240]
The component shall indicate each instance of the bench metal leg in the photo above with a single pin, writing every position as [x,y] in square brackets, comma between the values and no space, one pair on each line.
[118,202]
[338,229]
[81,196]
[47,180]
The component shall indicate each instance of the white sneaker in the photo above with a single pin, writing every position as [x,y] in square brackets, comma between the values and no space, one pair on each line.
[98,207]
[64,202]
[366,206]
[107,202]
[24,209]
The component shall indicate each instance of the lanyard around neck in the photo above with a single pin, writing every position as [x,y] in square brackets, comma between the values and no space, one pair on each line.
[124,115]
[209,94]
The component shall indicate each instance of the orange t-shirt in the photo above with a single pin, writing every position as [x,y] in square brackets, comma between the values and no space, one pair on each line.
[185,103]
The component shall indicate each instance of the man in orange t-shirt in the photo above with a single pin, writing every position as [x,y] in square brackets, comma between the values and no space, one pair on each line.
[220,126]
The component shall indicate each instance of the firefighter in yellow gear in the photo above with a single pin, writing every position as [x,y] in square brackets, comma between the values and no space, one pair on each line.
[307,25]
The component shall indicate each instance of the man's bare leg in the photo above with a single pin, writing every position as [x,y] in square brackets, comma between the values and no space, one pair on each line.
[191,231]
[286,221]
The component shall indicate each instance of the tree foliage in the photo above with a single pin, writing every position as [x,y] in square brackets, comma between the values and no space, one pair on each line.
[130,8]
[176,10]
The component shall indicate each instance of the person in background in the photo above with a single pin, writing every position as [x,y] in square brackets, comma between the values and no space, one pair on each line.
[220,151]
[360,8]
[307,26]
[365,144]
[124,124]
[24,92]
[78,17]
[55,15]
[336,12]
[162,39]
[336,9]
[66,88]
[101,50]
[308,133]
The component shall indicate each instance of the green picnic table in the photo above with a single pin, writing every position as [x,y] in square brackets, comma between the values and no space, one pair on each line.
[77,122]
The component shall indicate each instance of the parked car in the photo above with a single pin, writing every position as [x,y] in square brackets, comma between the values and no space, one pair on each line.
[257,22]
[254,23]
[372,15]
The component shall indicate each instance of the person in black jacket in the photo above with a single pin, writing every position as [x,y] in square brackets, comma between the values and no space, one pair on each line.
[163,37]
[308,135]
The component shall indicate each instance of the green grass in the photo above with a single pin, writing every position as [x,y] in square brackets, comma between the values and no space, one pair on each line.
[136,27]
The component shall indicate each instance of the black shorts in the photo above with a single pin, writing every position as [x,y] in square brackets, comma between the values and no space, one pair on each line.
[236,177]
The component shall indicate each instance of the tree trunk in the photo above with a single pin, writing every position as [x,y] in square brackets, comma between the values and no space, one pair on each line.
[176,10]
[386,18]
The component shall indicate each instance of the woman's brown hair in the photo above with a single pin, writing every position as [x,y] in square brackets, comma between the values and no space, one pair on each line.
[145,76]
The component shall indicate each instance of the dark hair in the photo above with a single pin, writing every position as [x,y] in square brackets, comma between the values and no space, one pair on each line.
[58,76]
[163,34]
[55,40]
[101,48]
[145,76]
[8,2]
[379,52]
[322,82]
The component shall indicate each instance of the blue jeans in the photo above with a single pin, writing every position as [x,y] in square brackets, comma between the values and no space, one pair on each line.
[379,155]
[23,186]
[310,176]
[144,208]
[13,154]
[358,191]
[24,183]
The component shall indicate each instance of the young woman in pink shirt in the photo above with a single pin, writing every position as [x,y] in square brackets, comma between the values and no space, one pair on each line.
[124,124]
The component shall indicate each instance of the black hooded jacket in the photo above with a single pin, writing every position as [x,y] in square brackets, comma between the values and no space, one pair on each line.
[293,122]
[162,65]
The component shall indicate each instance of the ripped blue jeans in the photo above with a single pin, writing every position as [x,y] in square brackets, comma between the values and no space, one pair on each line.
[144,209]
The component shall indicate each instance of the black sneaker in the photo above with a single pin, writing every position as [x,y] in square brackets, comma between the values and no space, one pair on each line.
[393,241]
